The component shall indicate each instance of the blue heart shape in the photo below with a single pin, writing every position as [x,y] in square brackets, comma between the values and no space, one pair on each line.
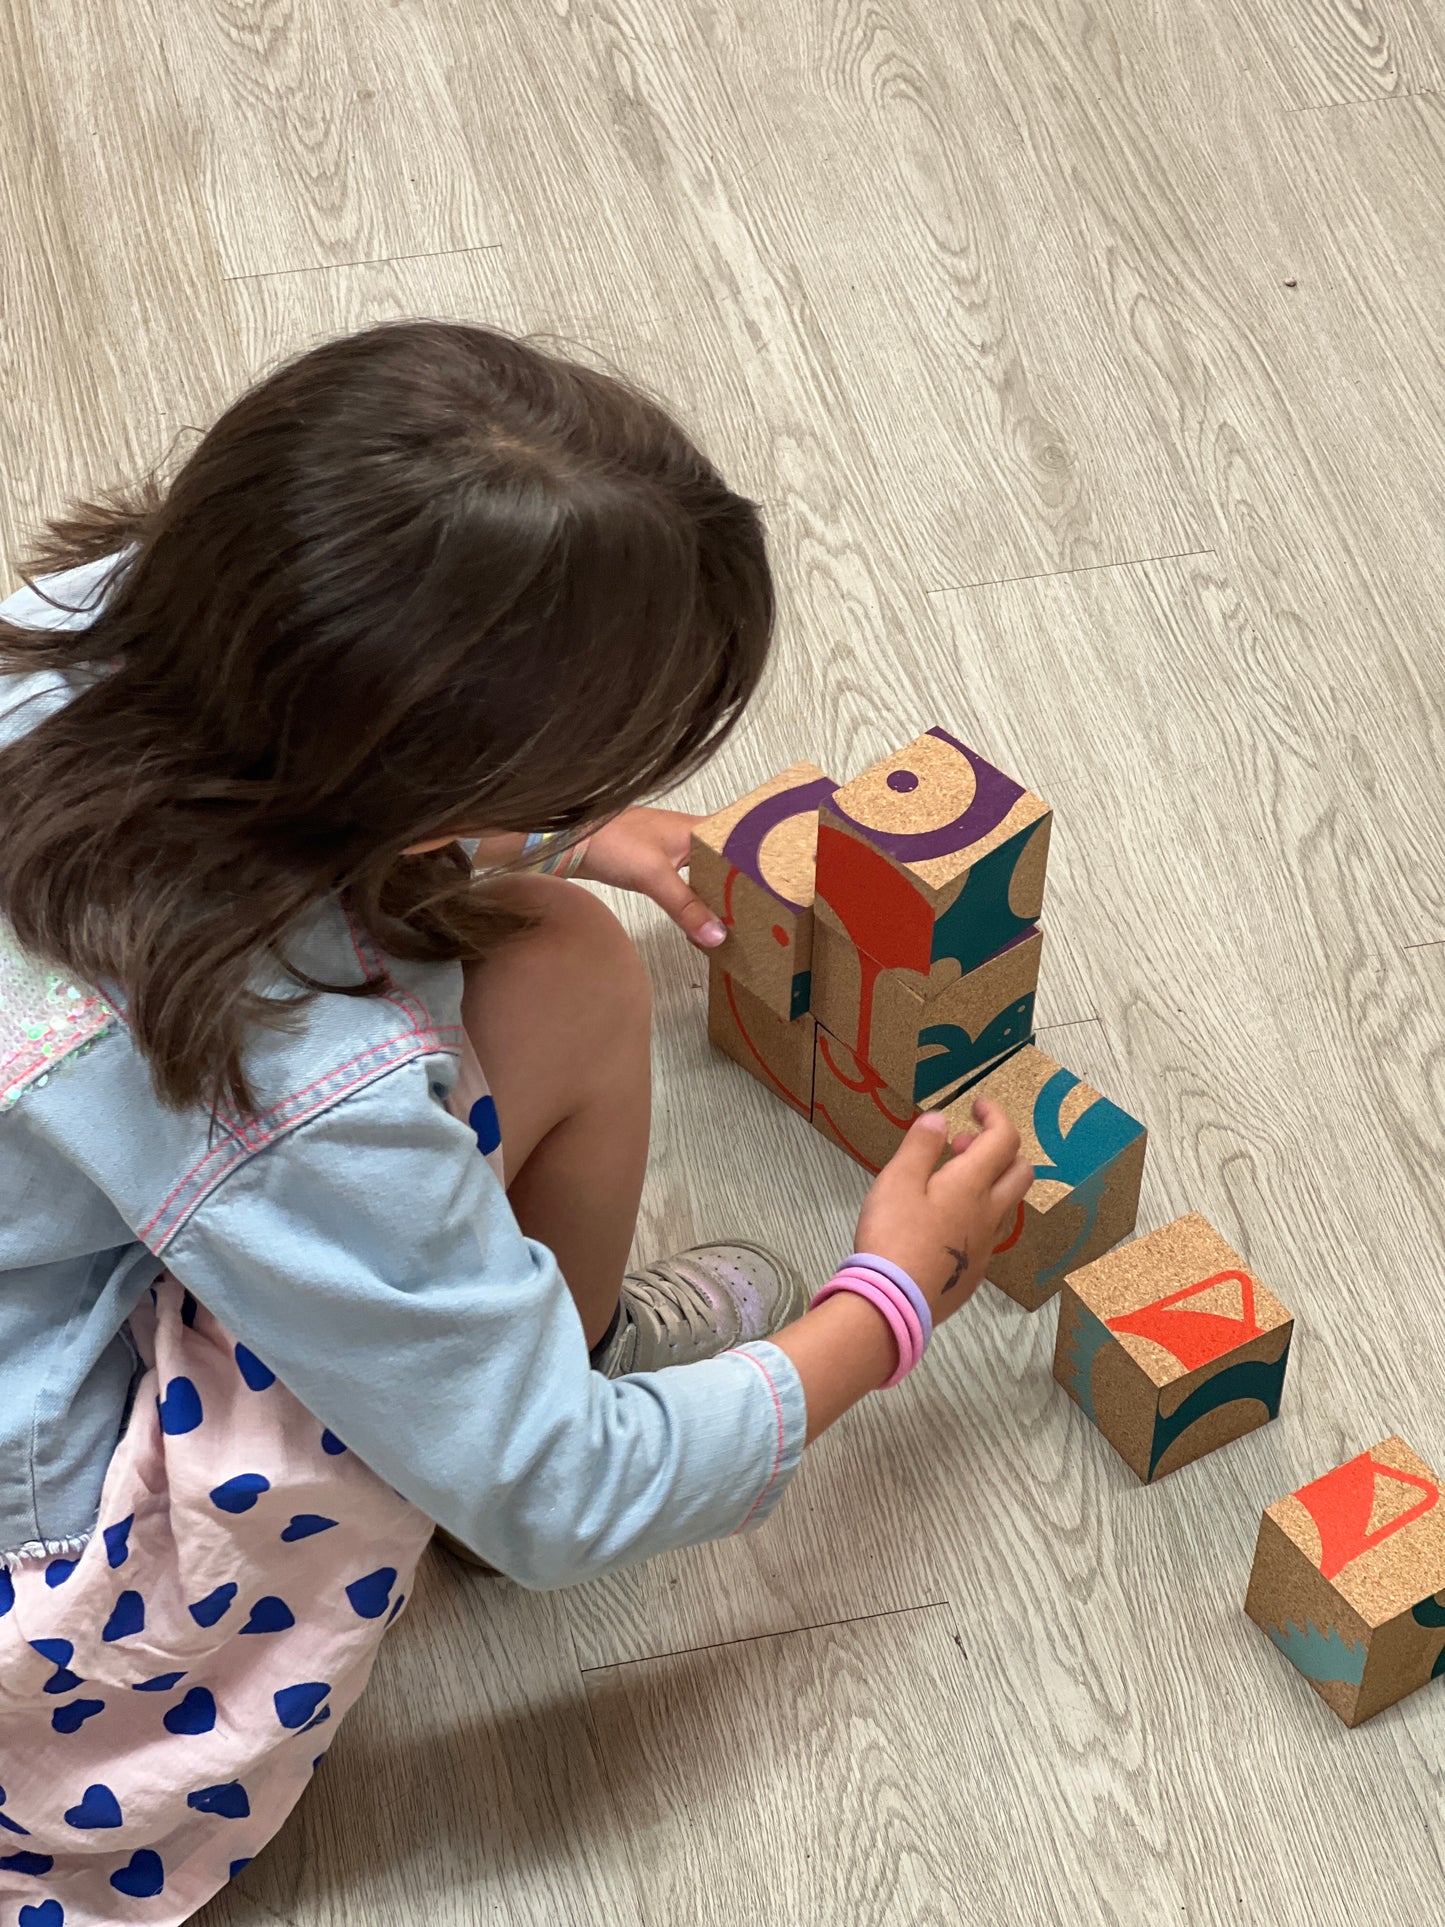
[303,1524]
[400,1602]
[196,1713]
[59,1570]
[117,1551]
[49,1913]
[371,1596]
[141,1877]
[127,1616]
[330,1443]
[228,1801]
[31,1863]
[162,1683]
[239,1866]
[11,1826]
[98,1808]
[70,1719]
[215,1605]
[269,1615]
[7,1591]
[180,1409]
[241,1493]
[320,1720]
[483,1119]
[296,1704]
[59,1652]
[256,1375]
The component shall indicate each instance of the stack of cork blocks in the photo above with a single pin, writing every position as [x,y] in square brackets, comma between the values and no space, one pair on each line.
[882,958]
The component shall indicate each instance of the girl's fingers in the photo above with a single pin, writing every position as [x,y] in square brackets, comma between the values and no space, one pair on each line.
[1010,1190]
[917,1156]
[996,1146]
[692,916]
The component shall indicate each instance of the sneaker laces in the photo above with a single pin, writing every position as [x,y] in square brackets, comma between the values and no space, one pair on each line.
[669,1298]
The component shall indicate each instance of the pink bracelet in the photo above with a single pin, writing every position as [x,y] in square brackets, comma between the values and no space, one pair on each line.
[865,1274]
[887,1301]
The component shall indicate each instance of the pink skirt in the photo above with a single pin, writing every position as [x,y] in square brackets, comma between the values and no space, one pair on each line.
[167,1693]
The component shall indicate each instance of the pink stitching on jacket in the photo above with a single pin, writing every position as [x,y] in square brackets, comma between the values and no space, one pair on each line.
[782,1438]
[242,1146]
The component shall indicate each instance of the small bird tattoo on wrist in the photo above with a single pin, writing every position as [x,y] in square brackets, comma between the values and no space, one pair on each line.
[960,1266]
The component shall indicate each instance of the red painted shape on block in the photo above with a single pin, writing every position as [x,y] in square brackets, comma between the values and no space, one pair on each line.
[830,1121]
[767,1070]
[1194,1338]
[1013,1237]
[780,935]
[884,915]
[870,1086]
[1341,1503]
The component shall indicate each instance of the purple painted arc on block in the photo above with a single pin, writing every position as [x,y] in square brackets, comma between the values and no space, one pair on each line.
[994,796]
[744,845]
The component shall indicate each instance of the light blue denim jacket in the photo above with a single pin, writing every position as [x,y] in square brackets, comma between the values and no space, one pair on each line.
[353,1238]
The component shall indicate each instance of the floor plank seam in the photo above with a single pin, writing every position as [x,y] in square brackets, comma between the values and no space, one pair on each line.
[368,261]
[778,1632]
[1372,100]
[1085,568]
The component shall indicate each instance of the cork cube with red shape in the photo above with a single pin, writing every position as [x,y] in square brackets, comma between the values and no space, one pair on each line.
[931,861]
[753,865]
[1172,1346]
[1088,1159]
[1349,1580]
[926,1047]
[777,1051]
[853,1107]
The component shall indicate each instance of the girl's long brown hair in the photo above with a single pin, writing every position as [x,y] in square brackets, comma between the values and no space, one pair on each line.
[423,578]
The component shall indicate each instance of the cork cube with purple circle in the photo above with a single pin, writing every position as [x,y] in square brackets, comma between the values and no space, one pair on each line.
[931,861]
[753,866]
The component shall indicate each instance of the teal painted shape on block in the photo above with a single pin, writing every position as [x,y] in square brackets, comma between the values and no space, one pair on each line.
[1325,1658]
[1093,1140]
[956,1053]
[802,994]
[1255,1378]
[1431,1612]
[1090,1338]
[1090,1194]
[980,920]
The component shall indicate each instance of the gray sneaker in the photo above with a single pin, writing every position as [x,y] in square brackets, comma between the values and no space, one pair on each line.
[698,1304]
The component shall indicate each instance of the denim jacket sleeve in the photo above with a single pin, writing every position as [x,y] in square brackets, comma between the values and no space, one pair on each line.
[372,1261]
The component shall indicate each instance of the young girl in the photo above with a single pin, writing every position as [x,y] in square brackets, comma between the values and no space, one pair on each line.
[321,1136]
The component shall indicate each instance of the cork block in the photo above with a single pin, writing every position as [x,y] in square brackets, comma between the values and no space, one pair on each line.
[1088,1159]
[1172,1346]
[752,865]
[1349,1580]
[854,1108]
[932,860]
[925,1046]
[777,1051]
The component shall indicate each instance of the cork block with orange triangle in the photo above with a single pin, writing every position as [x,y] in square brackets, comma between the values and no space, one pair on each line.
[1349,1580]
[1172,1346]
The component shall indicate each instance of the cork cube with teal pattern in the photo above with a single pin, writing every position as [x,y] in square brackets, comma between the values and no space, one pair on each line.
[1349,1581]
[1172,1346]
[931,861]
[1088,1159]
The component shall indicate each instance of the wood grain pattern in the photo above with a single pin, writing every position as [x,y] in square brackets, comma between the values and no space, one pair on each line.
[1087,364]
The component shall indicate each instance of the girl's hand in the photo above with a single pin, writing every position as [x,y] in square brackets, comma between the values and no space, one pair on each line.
[940,1222]
[643,850]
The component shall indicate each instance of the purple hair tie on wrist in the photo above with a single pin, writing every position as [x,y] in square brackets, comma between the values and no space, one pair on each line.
[870,1261]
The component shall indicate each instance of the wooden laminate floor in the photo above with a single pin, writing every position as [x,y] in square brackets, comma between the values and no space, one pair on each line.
[1087,356]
